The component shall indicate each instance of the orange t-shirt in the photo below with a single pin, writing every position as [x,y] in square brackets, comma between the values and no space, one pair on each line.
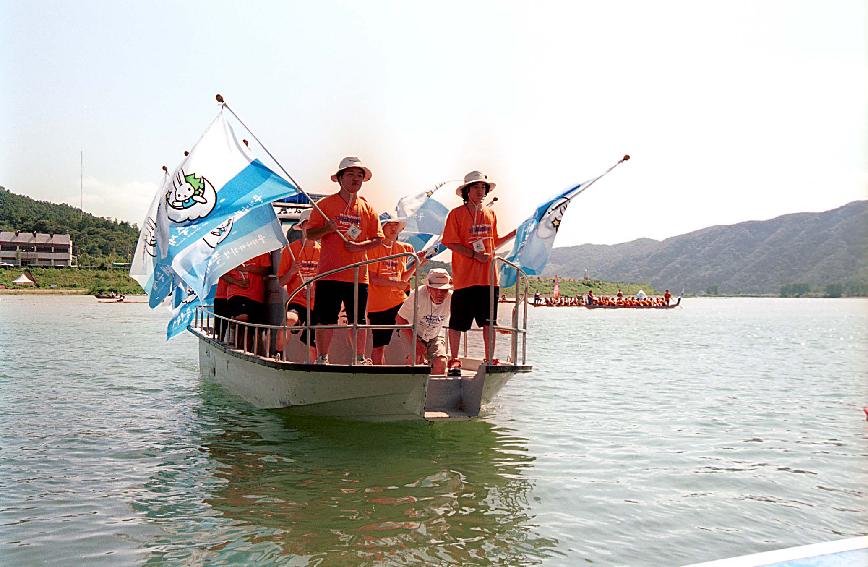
[256,288]
[308,258]
[465,226]
[333,254]
[381,298]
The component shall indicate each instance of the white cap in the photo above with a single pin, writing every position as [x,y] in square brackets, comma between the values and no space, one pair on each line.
[438,278]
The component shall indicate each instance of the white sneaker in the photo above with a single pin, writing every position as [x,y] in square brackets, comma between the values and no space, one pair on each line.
[322,359]
[362,361]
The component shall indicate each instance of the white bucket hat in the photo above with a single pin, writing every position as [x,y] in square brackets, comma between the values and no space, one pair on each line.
[351,161]
[305,215]
[438,278]
[387,217]
[473,177]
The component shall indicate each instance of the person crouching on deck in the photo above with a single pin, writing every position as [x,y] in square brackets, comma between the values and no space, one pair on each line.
[348,230]
[298,264]
[471,234]
[389,281]
[432,310]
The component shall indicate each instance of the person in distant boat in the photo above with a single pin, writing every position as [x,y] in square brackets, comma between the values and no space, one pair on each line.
[298,264]
[389,282]
[349,229]
[619,297]
[537,298]
[666,297]
[590,299]
[472,236]
[432,310]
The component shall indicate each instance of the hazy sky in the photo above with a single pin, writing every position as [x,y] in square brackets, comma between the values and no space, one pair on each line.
[731,110]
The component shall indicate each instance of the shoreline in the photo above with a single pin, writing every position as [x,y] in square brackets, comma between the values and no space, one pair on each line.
[24,291]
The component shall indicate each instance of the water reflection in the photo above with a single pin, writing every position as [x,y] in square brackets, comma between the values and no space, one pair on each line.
[311,490]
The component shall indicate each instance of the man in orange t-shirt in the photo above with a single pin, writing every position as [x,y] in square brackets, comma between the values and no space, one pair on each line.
[221,298]
[246,299]
[471,234]
[299,262]
[389,282]
[348,230]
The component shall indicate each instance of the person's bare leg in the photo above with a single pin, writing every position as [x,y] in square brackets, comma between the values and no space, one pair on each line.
[438,365]
[323,341]
[378,355]
[489,342]
[454,342]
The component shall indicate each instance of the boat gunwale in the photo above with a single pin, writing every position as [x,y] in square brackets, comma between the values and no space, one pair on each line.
[344,368]
[305,367]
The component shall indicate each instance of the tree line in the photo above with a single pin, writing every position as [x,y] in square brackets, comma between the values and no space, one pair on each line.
[96,241]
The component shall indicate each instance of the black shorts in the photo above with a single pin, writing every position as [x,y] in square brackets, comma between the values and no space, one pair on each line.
[240,305]
[472,303]
[221,307]
[330,295]
[302,319]
[382,337]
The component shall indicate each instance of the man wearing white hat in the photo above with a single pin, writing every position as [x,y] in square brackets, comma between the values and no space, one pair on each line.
[389,282]
[432,311]
[472,236]
[348,227]
[299,262]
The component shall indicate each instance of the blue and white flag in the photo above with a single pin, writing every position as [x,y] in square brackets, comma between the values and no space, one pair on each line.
[426,214]
[535,237]
[184,304]
[211,214]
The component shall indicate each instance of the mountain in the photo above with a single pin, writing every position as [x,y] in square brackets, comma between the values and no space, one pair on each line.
[92,237]
[802,252]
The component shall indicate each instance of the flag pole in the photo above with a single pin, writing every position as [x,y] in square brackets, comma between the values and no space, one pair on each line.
[225,105]
[592,181]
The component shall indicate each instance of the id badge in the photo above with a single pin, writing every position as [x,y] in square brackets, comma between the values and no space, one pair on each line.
[354,232]
[479,245]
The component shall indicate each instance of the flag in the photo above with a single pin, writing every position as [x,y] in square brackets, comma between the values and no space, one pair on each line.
[536,235]
[212,213]
[184,304]
[426,214]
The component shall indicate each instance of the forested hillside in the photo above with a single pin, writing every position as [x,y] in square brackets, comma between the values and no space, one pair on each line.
[95,240]
[799,254]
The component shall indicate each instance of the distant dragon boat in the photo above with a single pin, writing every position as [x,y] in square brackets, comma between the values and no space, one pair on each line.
[634,306]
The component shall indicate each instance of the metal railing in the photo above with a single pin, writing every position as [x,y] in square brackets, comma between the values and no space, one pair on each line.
[519,313]
[267,332]
[260,337]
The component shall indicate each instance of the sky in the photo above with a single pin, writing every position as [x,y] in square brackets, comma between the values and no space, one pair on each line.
[730,110]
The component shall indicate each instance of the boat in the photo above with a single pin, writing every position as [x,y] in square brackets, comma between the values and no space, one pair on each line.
[394,392]
[852,552]
[607,306]
[623,306]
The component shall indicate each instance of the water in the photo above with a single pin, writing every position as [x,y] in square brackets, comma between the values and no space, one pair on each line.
[725,427]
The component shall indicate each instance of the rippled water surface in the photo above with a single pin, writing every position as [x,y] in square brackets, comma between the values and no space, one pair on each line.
[724,427]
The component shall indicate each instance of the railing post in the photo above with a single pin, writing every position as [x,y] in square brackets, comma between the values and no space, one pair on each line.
[524,326]
[355,339]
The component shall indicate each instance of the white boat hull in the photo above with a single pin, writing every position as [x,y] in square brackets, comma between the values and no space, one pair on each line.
[367,393]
